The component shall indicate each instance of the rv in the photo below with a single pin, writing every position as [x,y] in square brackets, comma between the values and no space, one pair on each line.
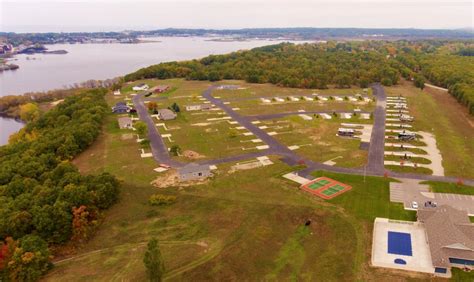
[345,132]
[406,136]
[406,118]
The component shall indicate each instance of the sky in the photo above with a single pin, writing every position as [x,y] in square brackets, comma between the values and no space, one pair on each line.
[117,15]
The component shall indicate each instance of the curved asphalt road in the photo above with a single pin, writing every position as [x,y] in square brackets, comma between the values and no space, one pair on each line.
[375,166]
[158,147]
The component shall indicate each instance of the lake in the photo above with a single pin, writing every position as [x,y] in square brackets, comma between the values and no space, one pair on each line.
[8,126]
[42,72]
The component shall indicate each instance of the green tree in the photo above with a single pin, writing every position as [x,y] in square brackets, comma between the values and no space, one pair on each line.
[419,81]
[153,261]
[141,127]
[175,150]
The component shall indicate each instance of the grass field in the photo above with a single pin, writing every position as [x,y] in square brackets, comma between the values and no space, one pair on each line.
[439,113]
[450,188]
[238,226]
[319,140]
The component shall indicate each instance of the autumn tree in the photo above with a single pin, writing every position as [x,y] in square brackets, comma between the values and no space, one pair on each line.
[29,112]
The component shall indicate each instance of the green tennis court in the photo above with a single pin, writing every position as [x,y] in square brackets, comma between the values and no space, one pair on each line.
[325,188]
[333,189]
[318,184]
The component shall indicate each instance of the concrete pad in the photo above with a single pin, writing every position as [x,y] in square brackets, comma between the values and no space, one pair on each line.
[247,133]
[240,127]
[296,178]
[308,98]
[263,147]
[272,133]
[146,155]
[256,122]
[264,160]
[278,99]
[420,260]
[236,109]
[294,147]
[212,167]
[265,100]
[346,115]
[256,140]
[226,103]
[263,127]
[294,99]
[306,117]
[434,154]
[326,116]
[232,122]
[364,116]
[323,98]
[160,169]
[201,124]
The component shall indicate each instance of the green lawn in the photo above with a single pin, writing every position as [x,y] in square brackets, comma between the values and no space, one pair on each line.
[237,226]
[439,113]
[450,188]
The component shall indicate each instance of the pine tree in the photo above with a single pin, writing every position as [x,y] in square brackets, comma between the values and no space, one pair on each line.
[153,261]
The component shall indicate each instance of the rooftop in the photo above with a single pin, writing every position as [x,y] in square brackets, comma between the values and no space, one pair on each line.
[449,233]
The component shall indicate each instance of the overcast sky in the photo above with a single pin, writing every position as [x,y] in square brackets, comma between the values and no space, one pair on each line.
[110,15]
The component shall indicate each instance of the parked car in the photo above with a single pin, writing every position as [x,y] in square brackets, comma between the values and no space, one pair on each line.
[414,205]
[430,204]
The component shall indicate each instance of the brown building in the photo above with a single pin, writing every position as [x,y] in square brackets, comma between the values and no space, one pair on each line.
[450,235]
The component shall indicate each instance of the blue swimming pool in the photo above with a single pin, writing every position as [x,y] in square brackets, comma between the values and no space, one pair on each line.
[399,243]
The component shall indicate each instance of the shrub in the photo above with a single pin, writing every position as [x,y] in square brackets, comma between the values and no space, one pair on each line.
[161,200]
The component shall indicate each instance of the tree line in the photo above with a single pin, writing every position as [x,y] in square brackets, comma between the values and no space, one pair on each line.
[285,64]
[445,65]
[44,199]
[335,64]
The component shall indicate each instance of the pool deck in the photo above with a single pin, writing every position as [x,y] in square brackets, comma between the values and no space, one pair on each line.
[419,261]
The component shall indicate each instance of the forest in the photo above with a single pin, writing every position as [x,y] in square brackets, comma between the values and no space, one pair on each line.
[448,65]
[342,65]
[286,64]
[44,200]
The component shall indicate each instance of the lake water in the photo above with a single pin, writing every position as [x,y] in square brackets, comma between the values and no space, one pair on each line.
[41,72]
[8,126]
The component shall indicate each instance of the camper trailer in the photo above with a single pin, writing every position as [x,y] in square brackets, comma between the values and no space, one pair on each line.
[406,136]
[406,118]
[349,132]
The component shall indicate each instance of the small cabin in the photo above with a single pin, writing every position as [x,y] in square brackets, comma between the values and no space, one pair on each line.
[166,114]
[140,87]
[120,108]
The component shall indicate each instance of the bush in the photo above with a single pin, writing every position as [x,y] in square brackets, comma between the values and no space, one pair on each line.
[161,200]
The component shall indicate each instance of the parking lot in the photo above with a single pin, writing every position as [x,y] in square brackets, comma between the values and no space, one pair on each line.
[411,190]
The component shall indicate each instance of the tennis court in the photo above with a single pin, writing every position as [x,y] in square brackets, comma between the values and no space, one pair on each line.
[325,188]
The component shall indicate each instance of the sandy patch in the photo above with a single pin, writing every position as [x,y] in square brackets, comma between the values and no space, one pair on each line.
[192,155]
[170,179]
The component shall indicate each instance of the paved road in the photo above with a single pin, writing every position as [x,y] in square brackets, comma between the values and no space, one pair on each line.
[375,166]
[280,115]
[158,147]
[275,147]
[377,139]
